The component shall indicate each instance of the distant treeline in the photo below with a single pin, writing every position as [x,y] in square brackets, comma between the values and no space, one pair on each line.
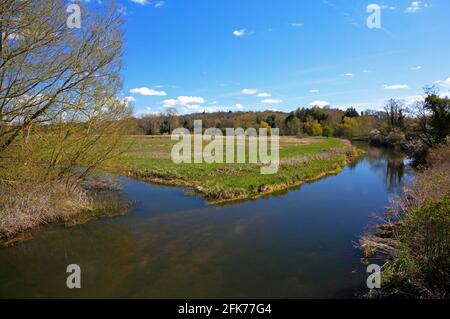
[314,121]
[414,128]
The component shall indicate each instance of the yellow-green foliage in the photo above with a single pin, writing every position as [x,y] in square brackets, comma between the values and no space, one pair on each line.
[426,236]
[328,131]
[265,125]
[313,128]
[422,263]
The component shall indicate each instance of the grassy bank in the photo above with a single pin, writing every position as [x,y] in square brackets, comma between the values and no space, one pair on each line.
[301,160]
[415,236]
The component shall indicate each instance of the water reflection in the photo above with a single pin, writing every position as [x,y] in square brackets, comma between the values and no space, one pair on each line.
[390,164]
[294,245]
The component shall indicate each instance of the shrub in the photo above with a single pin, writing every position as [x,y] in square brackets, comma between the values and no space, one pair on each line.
[313,128]
[328,131]
[424,259]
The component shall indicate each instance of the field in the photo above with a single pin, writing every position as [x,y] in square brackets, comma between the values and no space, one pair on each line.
[301,160]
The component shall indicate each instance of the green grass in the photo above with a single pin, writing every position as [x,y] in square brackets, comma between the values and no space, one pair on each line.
[301,160]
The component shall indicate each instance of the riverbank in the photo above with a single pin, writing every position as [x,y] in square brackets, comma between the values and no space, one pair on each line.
[296,244]
[415,235]
[25,207]
[302,160]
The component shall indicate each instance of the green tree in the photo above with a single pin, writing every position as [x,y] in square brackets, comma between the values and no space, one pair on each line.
[351,112]
[327,131]
[313,128]
[349,127]
[436,126]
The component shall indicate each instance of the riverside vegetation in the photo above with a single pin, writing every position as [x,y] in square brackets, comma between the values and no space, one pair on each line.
[415,234]
[301,160]
[62,118]
[59,111]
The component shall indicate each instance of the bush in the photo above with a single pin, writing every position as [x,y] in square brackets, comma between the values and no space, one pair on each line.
[416,234]
[328,131]
[313,128]
[424,259]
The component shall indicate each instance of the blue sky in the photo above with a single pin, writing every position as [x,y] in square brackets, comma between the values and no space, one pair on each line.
[281,54]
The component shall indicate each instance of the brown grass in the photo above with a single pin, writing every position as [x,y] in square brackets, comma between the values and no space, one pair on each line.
[26,206]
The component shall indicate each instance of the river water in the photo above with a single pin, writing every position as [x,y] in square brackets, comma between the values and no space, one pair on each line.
[295,244]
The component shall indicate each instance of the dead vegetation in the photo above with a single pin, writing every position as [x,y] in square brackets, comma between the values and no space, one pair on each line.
[26,206]
[415,235]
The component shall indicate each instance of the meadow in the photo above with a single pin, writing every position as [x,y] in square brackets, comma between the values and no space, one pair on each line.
[302,160]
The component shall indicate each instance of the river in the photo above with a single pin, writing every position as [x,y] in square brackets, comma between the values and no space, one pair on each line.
[295,244]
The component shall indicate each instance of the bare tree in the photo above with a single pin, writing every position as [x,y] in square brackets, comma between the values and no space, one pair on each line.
[395,111]
[59,105]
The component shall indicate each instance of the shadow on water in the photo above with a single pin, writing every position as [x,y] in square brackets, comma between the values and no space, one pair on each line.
[298,244]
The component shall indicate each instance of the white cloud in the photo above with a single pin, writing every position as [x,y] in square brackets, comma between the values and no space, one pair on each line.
[249,91]
[191,99]
[186,101]
[147,92]
[395,86]
[350,75]
[264,94]
[320,103]
[409,100]
[444,83]
[416,68]
[296,25]
[272,101]
[386,7]
[127,100]
[412,99]
[239,33]
[314,91]
[417,6]
[239,106]
[141,2]
[146,111]
[193,107]
[159,4]
[171,102]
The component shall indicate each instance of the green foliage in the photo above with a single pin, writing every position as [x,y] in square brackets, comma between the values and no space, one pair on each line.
[265,125]
[348,127]
[313,128]
[300,160]
[439,117]
[422,263]
[302,121]
[426,235]
[294,126]
[351,112]
[328,131]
